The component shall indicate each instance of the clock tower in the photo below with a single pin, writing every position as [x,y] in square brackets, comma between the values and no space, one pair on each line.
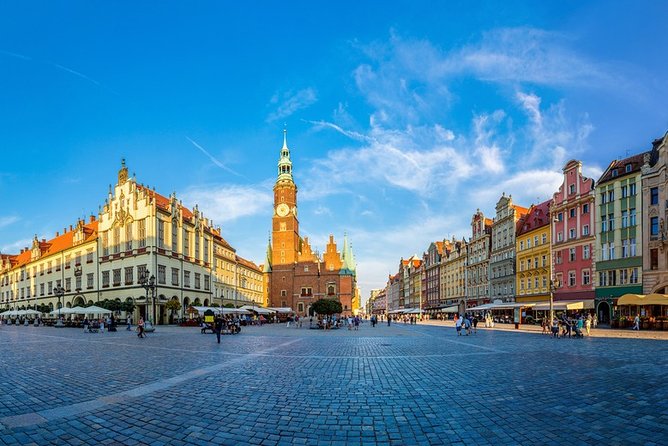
[285,226]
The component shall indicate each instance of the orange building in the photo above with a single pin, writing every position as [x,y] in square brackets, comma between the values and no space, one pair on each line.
[295,275]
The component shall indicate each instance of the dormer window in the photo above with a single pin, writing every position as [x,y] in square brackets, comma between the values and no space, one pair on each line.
[614,173]
[628,168]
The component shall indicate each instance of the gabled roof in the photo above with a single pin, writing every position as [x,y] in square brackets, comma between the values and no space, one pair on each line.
[537,217]
[635,161]
[248,264]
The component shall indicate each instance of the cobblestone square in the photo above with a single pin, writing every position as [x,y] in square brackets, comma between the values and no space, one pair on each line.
[274,385]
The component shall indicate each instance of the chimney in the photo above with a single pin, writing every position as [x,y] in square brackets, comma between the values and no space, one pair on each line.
[43,240]
[57,233]
[70,227]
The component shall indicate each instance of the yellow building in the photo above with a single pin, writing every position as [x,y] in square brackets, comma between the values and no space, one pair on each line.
[533,261]
[138,233]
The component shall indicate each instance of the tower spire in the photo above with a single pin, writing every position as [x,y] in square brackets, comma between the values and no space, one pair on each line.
[284,163]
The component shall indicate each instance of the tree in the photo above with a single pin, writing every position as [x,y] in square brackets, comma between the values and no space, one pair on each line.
[326,306]
[173,306]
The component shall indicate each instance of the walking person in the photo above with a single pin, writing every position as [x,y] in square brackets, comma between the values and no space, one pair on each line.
[218,327]
[129,322]
[555,328]
[458,325]
[588,325]
[475,324]
[140,328]
[101,325]
[636,322]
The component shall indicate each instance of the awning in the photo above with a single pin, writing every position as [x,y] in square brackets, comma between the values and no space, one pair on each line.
[640,299]
[575,305]
[258,310]
[281,309]
[450,309]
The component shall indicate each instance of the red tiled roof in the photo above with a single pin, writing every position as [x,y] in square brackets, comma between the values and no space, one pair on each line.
[636,162]
[248,264]
[537,217]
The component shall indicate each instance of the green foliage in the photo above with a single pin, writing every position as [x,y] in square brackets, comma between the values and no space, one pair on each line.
[173,305]
[229,305]
[326,306]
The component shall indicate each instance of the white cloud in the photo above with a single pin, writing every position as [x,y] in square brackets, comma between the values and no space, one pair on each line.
[322,210]
[291,102]
[225,203]
[15,247]
[6,221]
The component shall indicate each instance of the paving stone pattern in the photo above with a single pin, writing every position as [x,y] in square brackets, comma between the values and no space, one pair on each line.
[271,385]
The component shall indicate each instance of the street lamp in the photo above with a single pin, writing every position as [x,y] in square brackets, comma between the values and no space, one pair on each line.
[552,288]
[59,291]
[148,283]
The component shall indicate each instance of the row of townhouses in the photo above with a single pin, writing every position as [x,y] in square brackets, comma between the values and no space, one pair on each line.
[591,242]
[138,233]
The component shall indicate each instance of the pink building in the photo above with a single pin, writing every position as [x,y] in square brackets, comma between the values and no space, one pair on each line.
[573,236]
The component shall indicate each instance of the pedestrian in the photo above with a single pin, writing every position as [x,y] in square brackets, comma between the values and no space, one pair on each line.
[85,324]
[101,325]
[467,325]
[594,323]
[475,324]
[636,322]
[458,325]
[140,327]
[388,320]
[588,325]
[555,328]
[129,322]
[357,323]
[218,327]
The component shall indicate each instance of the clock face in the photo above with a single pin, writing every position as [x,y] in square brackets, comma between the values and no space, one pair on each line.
[282,210]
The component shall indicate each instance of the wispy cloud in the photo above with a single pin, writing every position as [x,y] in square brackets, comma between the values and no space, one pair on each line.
[213,159]
[225,203]
[290,102]
[6,221]
[59,67]
[15,247]
[350,134]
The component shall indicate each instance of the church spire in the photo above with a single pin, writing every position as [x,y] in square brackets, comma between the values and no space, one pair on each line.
[284,163]
[267,261]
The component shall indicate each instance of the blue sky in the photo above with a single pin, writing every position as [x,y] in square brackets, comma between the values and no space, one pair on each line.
[402,117]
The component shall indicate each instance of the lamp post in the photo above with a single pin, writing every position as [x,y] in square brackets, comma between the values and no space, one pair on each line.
[59,291]
[148,283]
[552,288]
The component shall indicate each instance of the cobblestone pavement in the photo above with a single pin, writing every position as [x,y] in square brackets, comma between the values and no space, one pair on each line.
[273,385]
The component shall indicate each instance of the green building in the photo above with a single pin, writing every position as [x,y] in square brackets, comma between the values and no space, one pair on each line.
[618,233]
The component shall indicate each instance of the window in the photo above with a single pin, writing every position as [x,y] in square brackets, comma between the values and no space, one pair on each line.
[611,250]
[602,279]
[571,278]
[207,282]
[128,237]
[331,290]
[105,246]
[625,248]
[614,173]
[521,248]
[560,236]
[535,240]
[632,247]
[623,276]
[632,189]
[544,282]
[196,245]
[544,261]
[611,222]
[206,250]
[586,252]
[625,190]
[544,238]
[89,281]
[654,195]
[141,232]
[300,307]
[585,277]
[612,278]
[572,213]
[175,235]
[186,243]
[117,277]
[49,267]
[284,293]
[585,208]
[198,282]
[611,196]
[535,282]
[627,168]
[175,276]
[41,289]
[654,259]
[535,262]
[603,198]
[654,226]
[307,291]
[162,273]
[528,243]
[105,279]
[625,219]
[634,275]
[161,234]
[585,230]
[571,189]
[128,275]
[117,240]
[186,279]
[68,284]
[50,287]
[604,223]
[560,216]
[604,251]
[571,233]
[571,255]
